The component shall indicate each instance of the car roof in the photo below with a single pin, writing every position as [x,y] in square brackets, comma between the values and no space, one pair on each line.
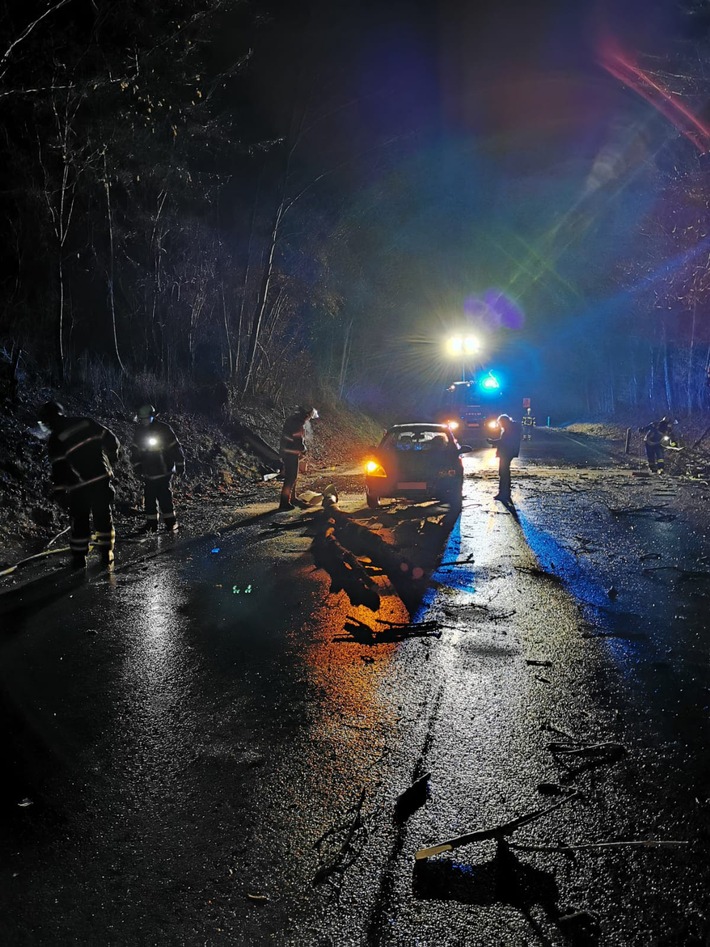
[419,426]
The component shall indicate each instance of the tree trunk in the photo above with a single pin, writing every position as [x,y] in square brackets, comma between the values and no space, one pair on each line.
[691,354]
[225,321]
[345,359]
[245,285]
[667,372]
[111,296]
[61,364]
[262,298]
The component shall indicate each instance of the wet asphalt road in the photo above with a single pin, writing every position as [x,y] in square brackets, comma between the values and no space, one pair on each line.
[202,749]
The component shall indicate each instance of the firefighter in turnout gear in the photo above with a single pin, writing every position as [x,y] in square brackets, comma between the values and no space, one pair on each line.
[292,448]
[156,454]
[82,453]
[658,436]
[527,423]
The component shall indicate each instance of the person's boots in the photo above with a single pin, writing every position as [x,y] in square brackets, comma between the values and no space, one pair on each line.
[107,557]
[78,560]
[170,523]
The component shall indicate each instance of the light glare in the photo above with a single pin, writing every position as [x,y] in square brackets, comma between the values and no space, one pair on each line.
[471,344]
[458,345]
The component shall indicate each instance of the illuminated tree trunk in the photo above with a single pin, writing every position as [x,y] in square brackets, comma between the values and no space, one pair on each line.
[111,295]
[262,298]
[691,358]
[60,204]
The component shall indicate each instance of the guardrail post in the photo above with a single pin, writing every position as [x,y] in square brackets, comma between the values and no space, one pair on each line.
[627,446]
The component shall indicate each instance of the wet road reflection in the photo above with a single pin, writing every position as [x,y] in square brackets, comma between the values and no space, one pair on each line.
[228,727]
[158,671]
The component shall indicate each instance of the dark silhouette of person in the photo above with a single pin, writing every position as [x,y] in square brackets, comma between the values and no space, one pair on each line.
[292,448]
[507,447]
[156,454]
[658,434]
[82,453]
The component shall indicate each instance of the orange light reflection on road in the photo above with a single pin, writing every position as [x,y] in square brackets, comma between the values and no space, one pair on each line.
[348,666]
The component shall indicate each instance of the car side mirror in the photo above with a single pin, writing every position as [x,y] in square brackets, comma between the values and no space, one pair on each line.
[465,449]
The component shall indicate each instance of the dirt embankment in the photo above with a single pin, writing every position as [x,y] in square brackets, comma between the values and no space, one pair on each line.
[224,468]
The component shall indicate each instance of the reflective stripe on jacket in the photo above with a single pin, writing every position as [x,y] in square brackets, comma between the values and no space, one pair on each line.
[81,452]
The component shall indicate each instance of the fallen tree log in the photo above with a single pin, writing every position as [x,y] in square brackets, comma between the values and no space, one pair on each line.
[346,572]
[256,444]
[408,579]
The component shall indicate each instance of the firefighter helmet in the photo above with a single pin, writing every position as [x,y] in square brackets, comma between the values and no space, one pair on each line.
[49,412]
[145,412]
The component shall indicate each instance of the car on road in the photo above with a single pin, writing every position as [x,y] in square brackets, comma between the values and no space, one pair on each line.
[417,461]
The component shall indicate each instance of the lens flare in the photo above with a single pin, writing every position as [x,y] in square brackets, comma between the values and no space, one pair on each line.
[620,65]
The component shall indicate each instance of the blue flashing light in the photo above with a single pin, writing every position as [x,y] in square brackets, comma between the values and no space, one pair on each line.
[215,550]
[490,382]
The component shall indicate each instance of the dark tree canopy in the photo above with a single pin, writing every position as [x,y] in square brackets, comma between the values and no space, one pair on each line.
[267,196]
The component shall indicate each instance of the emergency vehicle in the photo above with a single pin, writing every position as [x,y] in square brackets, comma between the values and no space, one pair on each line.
[471,408]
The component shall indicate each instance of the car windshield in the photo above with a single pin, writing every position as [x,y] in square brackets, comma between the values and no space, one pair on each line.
[416,439]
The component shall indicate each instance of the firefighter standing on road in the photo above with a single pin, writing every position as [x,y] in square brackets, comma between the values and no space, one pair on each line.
[508,447]
[292,448]
[528,423]
[82,452]
[658,435]
[156,454]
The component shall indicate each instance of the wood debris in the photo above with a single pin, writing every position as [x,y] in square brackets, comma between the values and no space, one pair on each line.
[497,832]
[345,570]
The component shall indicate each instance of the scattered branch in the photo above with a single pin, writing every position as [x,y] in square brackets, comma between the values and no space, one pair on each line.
[564,849]
[497,832]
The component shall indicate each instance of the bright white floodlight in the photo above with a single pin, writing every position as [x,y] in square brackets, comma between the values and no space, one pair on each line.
[471,344]
[458,345]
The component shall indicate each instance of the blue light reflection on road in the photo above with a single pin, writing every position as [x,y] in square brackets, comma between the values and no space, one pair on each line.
[461,578]
[556,560]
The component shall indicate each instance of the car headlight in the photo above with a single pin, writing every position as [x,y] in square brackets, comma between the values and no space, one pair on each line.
[493,425]
[373,469]
[452,425]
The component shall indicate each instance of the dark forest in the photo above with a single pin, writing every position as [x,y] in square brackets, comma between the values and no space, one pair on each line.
[249,199]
